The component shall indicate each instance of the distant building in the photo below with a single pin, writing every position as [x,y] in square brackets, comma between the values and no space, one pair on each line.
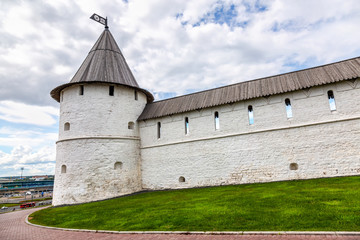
[114,140]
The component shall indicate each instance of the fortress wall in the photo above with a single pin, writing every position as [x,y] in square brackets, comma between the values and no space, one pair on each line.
[90,170]
[321,142]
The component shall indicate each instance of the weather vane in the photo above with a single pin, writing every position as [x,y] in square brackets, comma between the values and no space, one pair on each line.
[99,19]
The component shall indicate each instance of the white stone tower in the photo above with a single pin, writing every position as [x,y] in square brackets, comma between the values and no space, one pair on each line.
[98,151]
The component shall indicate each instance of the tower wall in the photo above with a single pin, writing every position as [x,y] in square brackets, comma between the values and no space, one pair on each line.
[98,153]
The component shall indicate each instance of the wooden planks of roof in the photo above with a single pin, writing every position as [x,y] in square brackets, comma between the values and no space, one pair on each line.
[330,73]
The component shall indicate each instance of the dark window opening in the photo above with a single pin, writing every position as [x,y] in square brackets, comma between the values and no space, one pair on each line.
[331,98]
[217,121]
[288,108]
[181,179]
[67,126]
[111,90]
[186,125]
[136,95]
[294,166]
[81,91]
[251,115]
[158,130]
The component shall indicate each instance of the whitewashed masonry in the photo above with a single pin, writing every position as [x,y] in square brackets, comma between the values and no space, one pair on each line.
[114,140]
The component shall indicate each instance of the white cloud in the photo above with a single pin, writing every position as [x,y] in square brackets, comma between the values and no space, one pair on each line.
[22,113]
[41,161]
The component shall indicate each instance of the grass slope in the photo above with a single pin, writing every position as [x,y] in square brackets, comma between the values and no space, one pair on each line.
[331,204]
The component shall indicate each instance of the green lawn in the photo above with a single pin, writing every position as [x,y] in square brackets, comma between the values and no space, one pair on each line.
[329,204]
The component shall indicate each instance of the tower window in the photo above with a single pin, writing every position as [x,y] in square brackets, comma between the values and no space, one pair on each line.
[331,100]
[66,126]
[63,169]
[288,108]
[186,125]
[62,96]
[181,179]
[131,125]
[118,165]
[111,90]
[81,90]
[136,95]
[217,121]
[158,130]
[251,115]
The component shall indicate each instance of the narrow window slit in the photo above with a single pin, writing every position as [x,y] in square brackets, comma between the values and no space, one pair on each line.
[186,126]
[81,91]
[111,90]
[217,121]
[158,130]
[251,115]
[288,108]
[331,98]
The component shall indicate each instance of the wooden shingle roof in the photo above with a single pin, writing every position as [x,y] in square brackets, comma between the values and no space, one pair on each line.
[330,73]
[104,64]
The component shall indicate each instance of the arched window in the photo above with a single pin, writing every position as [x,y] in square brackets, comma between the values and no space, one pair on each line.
[131,125]
[81,90]
[158,130]
[288,108]
[251,115]
[111,90]
[118,165]
[66,126]
[331,100]
[136,95]
[63,169]
[181,179]
[217,121]
[186,125]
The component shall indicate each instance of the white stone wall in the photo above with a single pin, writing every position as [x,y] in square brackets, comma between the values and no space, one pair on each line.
[321,142]
[98,138]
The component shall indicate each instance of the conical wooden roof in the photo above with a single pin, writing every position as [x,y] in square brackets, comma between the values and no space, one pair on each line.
[104,64]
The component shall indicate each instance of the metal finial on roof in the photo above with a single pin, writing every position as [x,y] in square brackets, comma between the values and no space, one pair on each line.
[100,19]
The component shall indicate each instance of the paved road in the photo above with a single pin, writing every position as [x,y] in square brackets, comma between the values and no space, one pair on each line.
[13,227]
[9,209]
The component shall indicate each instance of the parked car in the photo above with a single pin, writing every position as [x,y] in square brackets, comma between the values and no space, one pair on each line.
[4,207]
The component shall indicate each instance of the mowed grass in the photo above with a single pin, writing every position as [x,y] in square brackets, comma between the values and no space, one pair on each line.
[329,204]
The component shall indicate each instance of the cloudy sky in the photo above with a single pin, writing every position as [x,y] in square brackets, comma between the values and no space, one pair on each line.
[173,48]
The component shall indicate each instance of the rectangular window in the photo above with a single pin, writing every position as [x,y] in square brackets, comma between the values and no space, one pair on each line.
[331,100]
[186,126]
[81,91]
[136,95]
[251,115]
[158,130]
[217,121]
[288,108]
[111,90]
